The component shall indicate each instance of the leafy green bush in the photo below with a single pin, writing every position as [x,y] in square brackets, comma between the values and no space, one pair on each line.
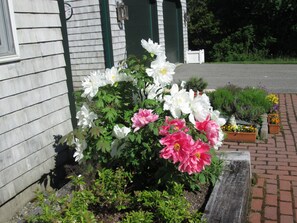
[239,46]
[109,194]
[134,134]
[246,104]
[138,217]
[196,84]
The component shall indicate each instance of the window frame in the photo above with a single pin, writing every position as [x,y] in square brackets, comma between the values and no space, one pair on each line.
[11,44]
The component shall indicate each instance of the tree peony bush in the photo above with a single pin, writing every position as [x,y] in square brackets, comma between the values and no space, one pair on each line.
[133,116]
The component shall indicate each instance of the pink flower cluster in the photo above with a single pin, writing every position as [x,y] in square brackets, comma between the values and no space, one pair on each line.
[181,148]
[211,129]
[142,118]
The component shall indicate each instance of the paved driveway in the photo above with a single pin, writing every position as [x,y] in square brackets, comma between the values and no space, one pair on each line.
[276,78]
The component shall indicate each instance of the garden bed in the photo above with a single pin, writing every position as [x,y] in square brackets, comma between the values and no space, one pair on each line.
[227,202]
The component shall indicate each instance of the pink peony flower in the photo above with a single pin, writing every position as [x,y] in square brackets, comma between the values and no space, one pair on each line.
[197,159]
[178,145]
[142,118]
[211,129]
[173,125]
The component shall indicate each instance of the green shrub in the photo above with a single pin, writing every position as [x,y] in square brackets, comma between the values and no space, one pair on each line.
[196,84]
[108,195]
[246,104]
[138,217]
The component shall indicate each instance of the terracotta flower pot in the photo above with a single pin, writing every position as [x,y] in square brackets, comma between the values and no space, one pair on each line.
[273,128]
[269,116]
[241,136]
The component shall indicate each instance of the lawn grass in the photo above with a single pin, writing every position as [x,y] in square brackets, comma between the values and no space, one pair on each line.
[265,61]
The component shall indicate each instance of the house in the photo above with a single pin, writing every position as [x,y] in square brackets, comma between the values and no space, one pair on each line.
[34,102]
[43,57]
[99,38]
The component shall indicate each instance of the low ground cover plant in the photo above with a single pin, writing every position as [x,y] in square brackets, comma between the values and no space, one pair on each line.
[141,141]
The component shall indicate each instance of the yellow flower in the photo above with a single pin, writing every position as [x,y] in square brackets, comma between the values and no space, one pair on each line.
[272,98]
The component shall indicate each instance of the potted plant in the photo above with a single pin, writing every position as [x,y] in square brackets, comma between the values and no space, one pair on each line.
[274,108]
[247,104]
[274,124]
[239,133]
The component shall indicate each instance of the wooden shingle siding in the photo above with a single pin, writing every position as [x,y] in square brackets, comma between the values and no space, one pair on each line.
[30,6]
[33,99]
[38,35]
[185,29]
[41,49]
[117,33]
[85,39]
[26,83]
[37,20]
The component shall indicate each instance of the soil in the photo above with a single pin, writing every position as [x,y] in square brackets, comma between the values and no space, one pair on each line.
[197,200]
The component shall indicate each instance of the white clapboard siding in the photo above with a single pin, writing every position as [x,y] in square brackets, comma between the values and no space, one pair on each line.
[79,30]
[34,103]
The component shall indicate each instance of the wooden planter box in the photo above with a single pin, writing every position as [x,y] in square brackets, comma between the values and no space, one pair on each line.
[241,136]
[273,128]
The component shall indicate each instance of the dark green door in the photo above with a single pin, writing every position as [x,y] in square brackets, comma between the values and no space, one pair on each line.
[173,30]
[142,24]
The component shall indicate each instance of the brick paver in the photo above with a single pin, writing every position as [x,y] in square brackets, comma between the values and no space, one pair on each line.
[274,164]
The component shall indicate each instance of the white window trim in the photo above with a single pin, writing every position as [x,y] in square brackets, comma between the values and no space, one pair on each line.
[16,55]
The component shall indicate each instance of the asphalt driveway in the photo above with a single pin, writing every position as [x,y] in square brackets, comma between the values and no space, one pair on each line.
[277,78]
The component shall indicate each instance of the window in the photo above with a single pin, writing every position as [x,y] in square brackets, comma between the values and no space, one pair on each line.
[8,42]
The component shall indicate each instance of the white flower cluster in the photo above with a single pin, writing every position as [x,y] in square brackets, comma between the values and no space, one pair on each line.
[178,102]
[197,107]
[95,80]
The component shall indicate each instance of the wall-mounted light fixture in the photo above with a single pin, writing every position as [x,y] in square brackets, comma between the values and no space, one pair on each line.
[122,12]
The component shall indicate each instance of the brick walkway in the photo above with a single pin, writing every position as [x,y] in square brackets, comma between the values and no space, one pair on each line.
[274,196]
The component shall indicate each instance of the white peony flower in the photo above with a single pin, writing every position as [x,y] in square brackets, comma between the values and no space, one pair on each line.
[220,141]
[92,83]
[200,107]
[151,47]
[154,91]
[162,72]
[80,146]
[177,102]
[85,117]
[112,76]
[215,115]
[121,132]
